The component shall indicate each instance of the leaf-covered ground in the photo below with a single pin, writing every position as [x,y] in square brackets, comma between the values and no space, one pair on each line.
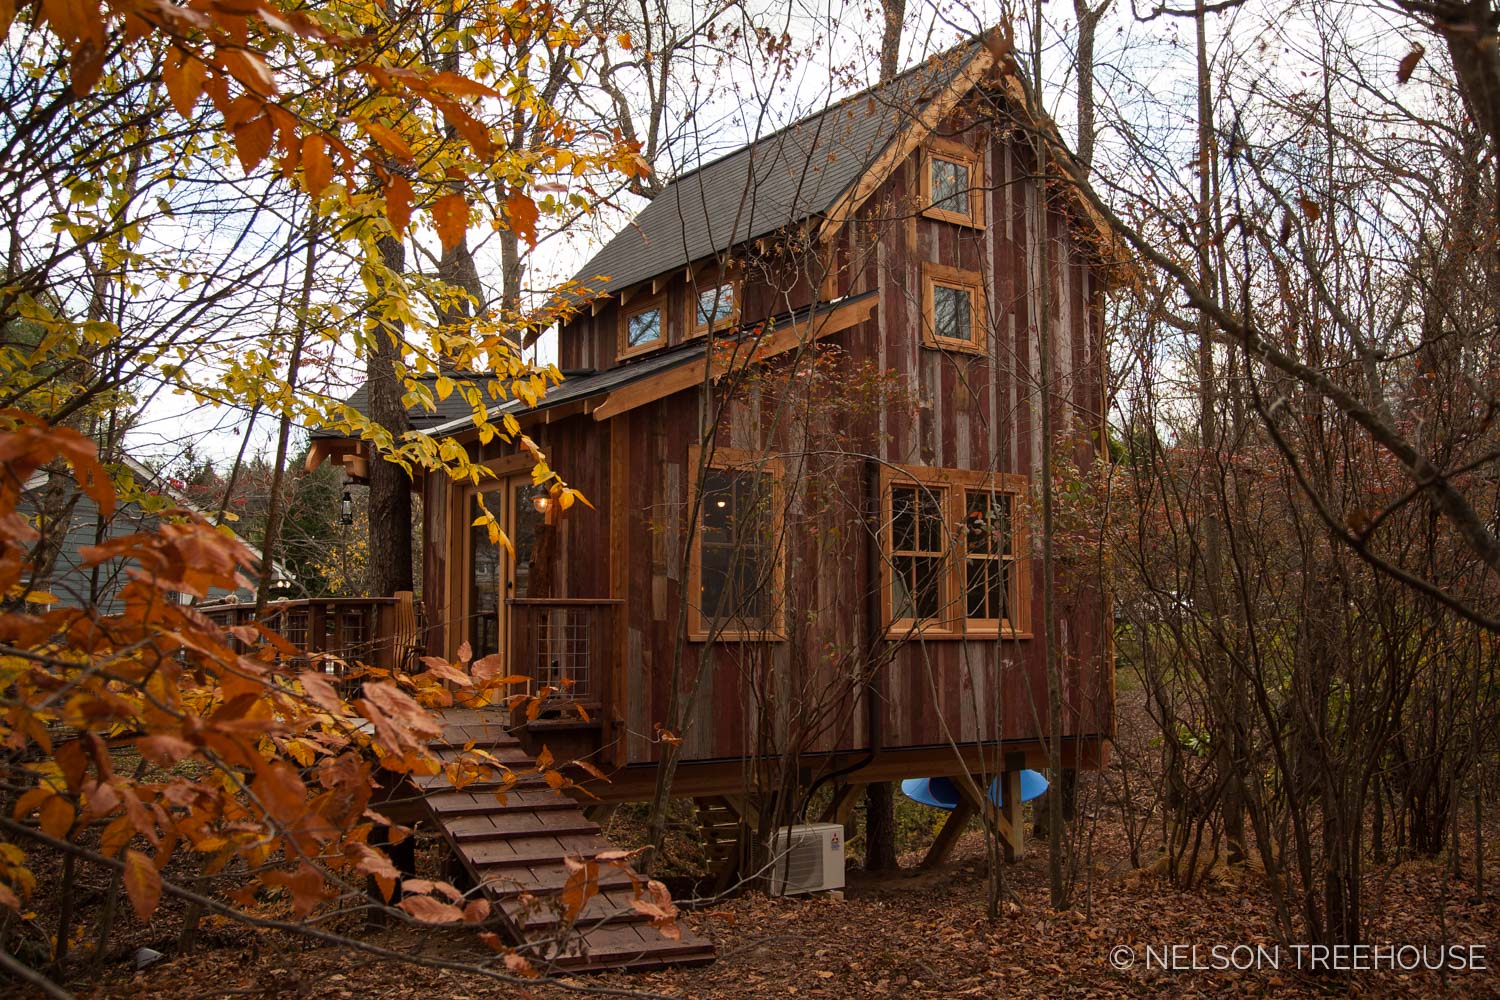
[916,934]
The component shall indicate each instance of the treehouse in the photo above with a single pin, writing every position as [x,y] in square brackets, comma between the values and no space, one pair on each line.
[803,397]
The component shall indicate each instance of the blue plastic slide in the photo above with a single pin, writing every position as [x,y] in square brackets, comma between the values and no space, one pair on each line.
[942,793]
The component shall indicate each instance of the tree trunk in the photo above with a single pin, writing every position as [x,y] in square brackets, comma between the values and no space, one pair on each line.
[880,827]
[1088,26]
[390,487]
[890,37]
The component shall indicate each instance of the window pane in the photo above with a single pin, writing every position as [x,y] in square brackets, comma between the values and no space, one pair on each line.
[903,518]
[735,547]
[927,582]
[528,519]
[917,539]
[988,589]
[715,304]
[643,328]
[950,312]
[484,588]
[950,186]
[987,523]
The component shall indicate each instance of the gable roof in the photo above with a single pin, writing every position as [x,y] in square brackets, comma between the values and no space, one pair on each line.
[803,170]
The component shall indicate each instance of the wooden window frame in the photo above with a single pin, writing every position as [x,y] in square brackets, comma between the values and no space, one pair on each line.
[942,276]
[953,623]
[953,151]
[729,322]
[699,629]
[657,302]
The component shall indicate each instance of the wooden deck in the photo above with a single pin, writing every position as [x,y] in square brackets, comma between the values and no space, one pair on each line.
[518,850]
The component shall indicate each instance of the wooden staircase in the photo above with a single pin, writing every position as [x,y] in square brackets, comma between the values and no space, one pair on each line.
[517,850]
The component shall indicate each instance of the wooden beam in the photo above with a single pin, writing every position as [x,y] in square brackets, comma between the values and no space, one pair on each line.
[637,782]
[845,796]
[675,380]
[947,837]
[597,305]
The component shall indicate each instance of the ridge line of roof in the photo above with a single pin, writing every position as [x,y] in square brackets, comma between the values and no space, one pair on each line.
[848,99]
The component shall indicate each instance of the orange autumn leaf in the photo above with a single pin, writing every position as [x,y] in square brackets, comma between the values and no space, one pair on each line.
[184,77]
[450,214]
[317,167]
[388,139]
[142,884]
[252,141]
[57,817]
[522,213]
[431,911]
[398,198]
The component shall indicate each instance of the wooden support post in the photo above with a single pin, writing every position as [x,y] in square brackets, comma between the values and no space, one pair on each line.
[1014,840]
[1006,820]
[948,836]
[842,804]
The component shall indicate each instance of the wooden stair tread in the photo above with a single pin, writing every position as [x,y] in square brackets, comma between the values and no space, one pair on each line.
[542,880]
[526,849]
[632,944]
[614,905]
[464,802]
[516,822]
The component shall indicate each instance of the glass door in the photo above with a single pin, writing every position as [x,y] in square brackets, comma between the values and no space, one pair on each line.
[491,576]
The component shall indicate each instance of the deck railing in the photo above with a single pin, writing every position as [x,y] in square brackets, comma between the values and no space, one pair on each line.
[565,643]
[353,629]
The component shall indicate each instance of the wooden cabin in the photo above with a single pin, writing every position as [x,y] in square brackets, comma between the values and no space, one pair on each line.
[802,396]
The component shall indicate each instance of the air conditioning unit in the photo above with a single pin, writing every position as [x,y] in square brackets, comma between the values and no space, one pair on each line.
[807,858]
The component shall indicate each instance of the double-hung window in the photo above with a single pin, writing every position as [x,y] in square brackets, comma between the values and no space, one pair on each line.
[953,554]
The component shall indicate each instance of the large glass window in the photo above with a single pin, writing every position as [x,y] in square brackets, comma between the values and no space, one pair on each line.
[736,574]
[953,309]
[988,556]
[952,313]
[952,182]
[953,561]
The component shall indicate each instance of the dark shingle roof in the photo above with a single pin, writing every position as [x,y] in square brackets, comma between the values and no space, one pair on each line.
[789,175]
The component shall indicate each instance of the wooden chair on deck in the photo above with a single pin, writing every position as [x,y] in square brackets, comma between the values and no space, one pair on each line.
[405,633]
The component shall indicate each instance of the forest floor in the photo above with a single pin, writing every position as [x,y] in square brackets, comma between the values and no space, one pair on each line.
[912,933]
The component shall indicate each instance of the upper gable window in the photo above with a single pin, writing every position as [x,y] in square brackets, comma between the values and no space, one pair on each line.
[643,327]
[953,309]
[952,183]
[716,307]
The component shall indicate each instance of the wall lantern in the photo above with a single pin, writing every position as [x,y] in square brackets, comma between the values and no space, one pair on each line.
[541,499]
[346,509]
